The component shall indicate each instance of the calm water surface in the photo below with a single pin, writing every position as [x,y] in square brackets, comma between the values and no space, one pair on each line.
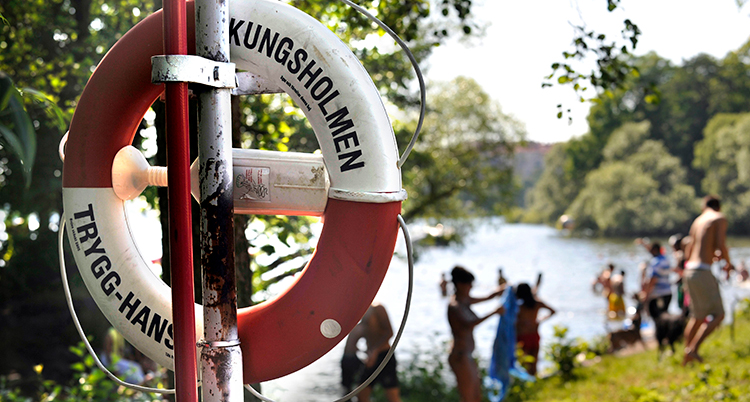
[568,266]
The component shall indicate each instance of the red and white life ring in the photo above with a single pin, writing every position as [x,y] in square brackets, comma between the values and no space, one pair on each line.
[284,45]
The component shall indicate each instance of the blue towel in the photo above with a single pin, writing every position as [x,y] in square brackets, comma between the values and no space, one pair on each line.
[503,365]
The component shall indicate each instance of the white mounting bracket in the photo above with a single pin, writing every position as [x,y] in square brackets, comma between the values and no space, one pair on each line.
[199,70]
[195,69]
[251,84]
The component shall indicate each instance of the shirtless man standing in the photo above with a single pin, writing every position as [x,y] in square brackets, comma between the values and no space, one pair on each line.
[376,328]
[708,234]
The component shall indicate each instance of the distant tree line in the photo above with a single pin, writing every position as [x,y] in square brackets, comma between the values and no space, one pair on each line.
[671,135]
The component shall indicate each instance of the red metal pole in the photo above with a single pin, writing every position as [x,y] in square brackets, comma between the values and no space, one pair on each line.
[180,223]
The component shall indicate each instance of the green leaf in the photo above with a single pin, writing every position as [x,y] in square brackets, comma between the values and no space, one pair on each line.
[80,367]
[16,130]
[6,91]
[50,107]
[268,249]
[652,99]
[563,79]
[78,351]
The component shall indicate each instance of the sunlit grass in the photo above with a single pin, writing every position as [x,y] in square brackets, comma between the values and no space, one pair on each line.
[725,374]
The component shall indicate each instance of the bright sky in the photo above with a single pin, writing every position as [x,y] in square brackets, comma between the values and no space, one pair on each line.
[526,37]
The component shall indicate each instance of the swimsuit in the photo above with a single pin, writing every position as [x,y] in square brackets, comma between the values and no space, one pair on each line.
[351,367]
[705,297]
[697,265]
[616,304]
[388,377]
[530,343]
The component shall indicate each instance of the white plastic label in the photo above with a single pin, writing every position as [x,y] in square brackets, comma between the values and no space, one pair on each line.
[252,183]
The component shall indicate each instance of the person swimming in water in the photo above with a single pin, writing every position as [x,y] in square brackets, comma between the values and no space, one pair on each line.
[527,324]
[462,321]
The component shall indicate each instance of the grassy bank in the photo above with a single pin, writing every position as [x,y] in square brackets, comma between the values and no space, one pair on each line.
[642,377]
[637,377]
[632,377]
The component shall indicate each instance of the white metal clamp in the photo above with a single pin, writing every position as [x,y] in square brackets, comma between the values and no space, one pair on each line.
[195,69]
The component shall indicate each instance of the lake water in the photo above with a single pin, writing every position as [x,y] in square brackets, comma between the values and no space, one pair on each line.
[568,266]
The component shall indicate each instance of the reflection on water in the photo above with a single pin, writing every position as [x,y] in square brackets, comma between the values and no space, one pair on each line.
[568,266]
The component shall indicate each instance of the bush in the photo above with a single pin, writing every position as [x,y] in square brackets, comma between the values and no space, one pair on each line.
[89,384]
[424,377]
[567,354]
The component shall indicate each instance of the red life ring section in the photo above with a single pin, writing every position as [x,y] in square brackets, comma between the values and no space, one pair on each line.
[287,333]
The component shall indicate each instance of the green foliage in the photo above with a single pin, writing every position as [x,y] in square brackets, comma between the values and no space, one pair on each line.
[744,309]
[598,346]
[566,353]
[555,190]
[724,157]
[644,394]
[271,264]
[88,384]
[16,130]
[52,47]
[521,391]
[614,62]
[690,95]
[423,378]
[420,25]
[643,377]
[638,189]
[426,378]
[462,164]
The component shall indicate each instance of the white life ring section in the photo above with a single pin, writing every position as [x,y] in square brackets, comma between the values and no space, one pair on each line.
[317,70]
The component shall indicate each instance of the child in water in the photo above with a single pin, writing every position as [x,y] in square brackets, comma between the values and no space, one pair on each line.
[527,324]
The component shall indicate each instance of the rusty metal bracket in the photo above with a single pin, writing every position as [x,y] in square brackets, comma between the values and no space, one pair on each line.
[195,69]
[217,344]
